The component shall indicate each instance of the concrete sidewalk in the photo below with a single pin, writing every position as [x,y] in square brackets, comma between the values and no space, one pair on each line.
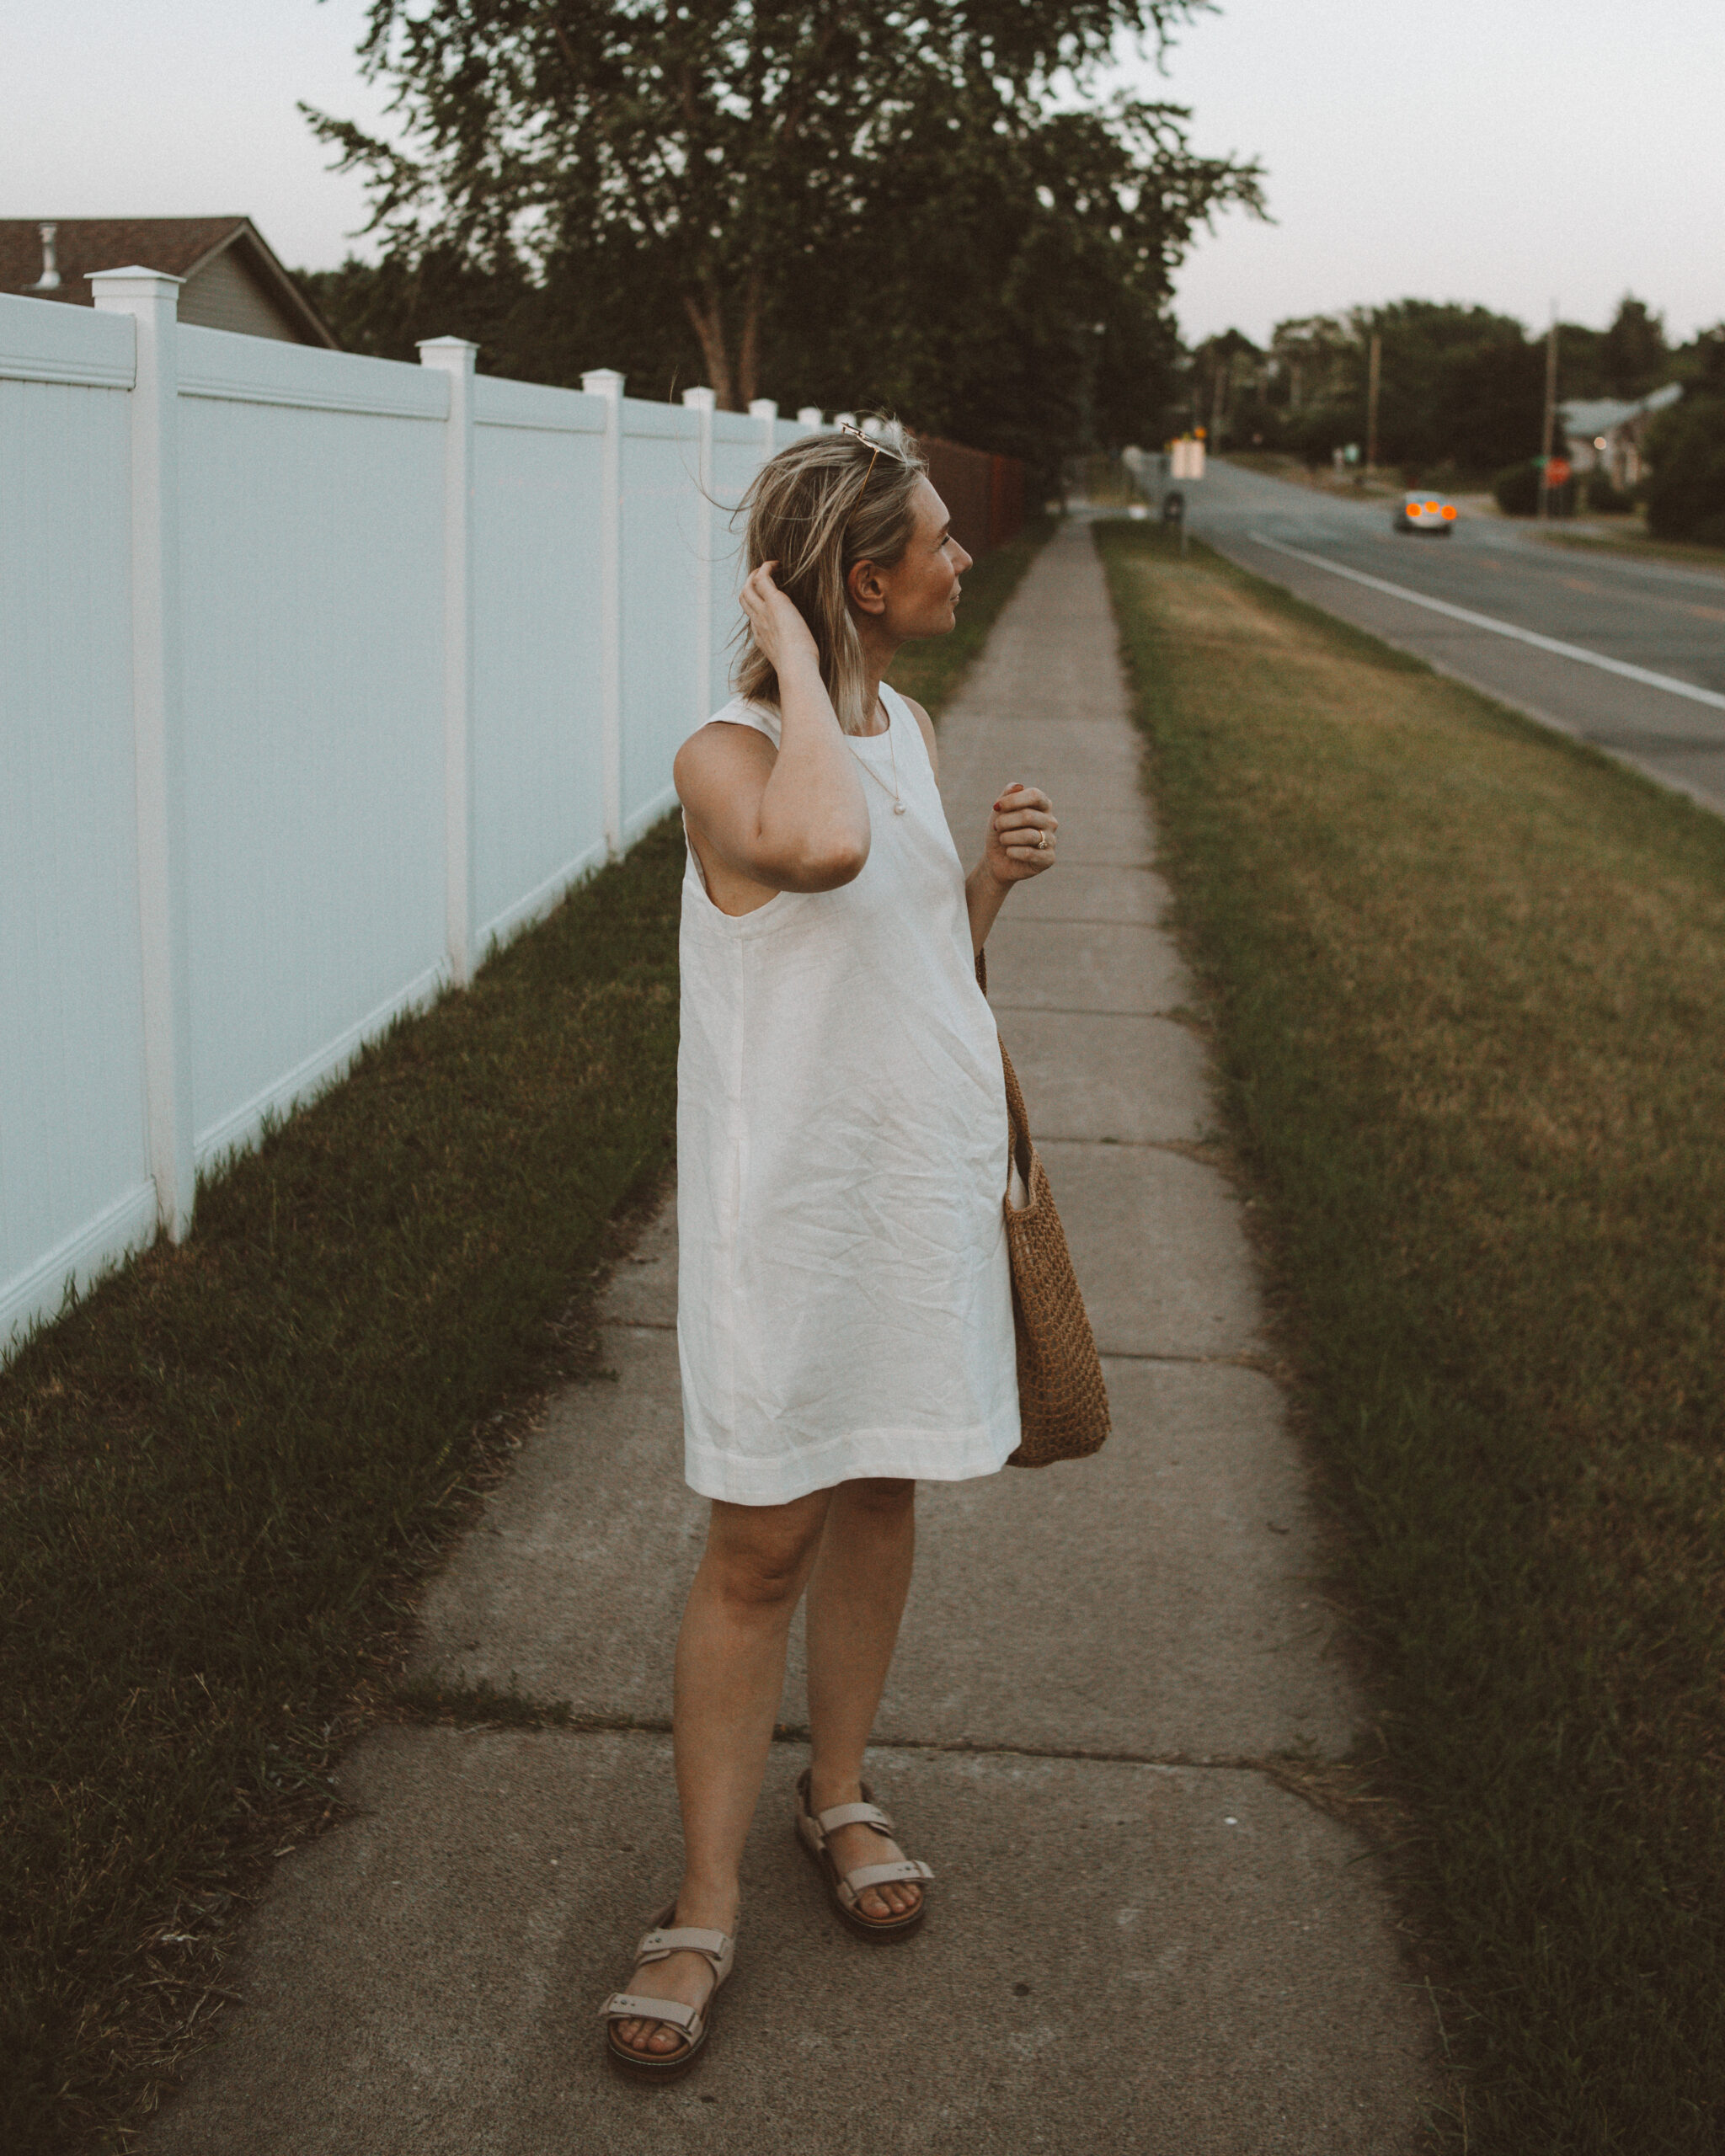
[1139,1940]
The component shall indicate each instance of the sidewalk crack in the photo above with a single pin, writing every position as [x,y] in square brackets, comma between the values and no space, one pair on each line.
[1286,1768]
[1246,1362]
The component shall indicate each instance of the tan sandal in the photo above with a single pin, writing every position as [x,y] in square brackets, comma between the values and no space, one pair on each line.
[692,2023]
[844,1888]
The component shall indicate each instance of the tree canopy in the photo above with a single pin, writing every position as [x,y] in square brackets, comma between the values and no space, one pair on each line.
[1687,492]
[866,202]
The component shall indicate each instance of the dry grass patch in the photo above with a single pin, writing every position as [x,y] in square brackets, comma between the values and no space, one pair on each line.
[1469,984]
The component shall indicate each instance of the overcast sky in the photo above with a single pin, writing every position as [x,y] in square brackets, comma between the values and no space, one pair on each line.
[1505,151]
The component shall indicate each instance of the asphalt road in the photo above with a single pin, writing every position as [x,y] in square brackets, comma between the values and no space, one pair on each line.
[1643,673]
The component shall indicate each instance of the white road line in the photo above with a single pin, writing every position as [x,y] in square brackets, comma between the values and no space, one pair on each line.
[1711,698]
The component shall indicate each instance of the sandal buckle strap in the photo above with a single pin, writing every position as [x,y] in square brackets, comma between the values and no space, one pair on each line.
[655,1946]
[878,1874]
[624,2006]
[853,1815]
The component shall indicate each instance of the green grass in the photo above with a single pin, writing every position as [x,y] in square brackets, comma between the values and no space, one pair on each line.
[218,1470]
[221,1474]
[1468,985]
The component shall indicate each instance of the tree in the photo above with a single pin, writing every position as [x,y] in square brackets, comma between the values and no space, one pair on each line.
[1459,385]
[1633,355]
[1686,489]
[1226,386]
[732,163]
[1008,284]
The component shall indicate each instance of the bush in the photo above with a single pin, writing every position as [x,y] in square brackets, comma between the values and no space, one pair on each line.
[1517,488]
[1711,531]
[1608,499]
[1686,448]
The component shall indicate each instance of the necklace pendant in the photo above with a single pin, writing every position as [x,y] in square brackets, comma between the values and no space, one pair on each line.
[898,808]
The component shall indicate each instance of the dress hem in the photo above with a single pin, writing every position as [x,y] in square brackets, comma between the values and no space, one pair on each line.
[910,1455]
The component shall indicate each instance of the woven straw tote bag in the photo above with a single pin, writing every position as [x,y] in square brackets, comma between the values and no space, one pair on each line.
[1063,1404]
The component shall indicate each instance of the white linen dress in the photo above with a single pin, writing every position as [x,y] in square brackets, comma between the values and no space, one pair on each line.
[844,1304]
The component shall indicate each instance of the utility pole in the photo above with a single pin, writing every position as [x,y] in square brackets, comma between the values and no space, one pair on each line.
[1374,375]
[1550,426]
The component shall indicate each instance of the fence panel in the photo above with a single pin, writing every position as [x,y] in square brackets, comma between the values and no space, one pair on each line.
[317,670]
[74,1164]
[311,504]
[538,754]
[736,458]
[662,547]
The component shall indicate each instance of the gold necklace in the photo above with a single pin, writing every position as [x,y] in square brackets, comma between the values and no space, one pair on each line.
[892,747]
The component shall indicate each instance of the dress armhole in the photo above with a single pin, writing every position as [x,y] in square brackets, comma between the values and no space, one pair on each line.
[756,719]
[915,724]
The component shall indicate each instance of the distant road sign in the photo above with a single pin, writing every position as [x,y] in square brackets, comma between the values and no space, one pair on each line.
[1187,461]
[1556,472]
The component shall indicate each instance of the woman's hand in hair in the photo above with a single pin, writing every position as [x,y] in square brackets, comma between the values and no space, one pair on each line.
[780,635]
[1021,835]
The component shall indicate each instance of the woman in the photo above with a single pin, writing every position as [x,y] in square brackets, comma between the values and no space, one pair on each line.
[845,1316]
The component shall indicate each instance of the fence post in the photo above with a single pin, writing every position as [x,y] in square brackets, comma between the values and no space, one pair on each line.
[607,382]
[703,402]
[158,732]
[809,416]
[766,410]
[454,356]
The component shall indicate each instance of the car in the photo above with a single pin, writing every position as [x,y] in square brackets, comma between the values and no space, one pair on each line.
[1426,513]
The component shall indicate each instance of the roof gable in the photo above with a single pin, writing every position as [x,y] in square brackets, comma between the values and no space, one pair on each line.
[178,247]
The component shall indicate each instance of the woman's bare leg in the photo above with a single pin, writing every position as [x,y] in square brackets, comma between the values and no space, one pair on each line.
[855,1599]
[730,1676]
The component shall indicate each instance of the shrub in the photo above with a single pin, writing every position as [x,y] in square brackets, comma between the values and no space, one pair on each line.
[1687,487]
[1517,488]
[1711,531]
[1608,499]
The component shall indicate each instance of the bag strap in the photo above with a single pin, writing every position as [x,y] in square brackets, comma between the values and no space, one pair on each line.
[1019,1150]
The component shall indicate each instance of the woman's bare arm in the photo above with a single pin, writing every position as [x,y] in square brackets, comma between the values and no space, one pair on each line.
[1010,853]
[1020,843]
[792,820]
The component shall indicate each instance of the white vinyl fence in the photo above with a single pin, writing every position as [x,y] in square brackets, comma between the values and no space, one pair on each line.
[317,674]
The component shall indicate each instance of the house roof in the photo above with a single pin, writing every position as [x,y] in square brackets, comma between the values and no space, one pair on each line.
[1591,416]
[178,247]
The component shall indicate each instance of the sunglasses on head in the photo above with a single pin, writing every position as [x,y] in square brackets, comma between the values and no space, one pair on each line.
[871,442]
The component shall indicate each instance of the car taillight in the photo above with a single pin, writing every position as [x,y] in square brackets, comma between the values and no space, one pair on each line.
[1449,513]
[1431,509]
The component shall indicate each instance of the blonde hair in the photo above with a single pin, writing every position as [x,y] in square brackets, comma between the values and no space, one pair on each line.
[817,509]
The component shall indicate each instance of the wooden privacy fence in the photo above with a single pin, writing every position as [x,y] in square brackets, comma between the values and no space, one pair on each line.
[320,673]
[984,493]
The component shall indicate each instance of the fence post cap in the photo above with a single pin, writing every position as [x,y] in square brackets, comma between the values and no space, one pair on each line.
[603,382]
[701,399]
[810,415]
[454,354]
[764,407]
[116,289]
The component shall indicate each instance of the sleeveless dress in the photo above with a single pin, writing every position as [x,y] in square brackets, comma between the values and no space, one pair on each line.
[844,1303]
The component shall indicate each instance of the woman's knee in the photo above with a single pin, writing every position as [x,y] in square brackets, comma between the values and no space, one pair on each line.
[758,1556]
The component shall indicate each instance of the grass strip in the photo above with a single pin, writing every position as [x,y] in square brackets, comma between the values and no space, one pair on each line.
[221,1471]
[1634,543]
[1467,980]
